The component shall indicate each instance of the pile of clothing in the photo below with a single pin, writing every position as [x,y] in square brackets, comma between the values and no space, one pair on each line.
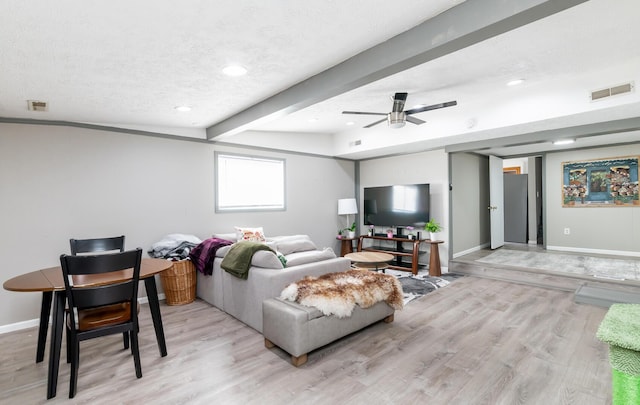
[175,246]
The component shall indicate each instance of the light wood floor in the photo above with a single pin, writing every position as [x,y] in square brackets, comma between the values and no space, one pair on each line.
[477,341]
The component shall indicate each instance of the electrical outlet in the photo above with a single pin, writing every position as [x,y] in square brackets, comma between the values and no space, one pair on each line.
[567,231]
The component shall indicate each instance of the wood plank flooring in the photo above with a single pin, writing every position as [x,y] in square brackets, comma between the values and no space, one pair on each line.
[477,341]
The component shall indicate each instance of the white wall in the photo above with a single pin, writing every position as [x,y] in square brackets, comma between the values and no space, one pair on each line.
[425,167]
[59,183]
[614,230]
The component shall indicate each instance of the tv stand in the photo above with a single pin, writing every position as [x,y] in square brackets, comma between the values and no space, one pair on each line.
[400,252]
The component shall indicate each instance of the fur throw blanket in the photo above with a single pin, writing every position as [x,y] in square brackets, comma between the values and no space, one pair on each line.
[338,293]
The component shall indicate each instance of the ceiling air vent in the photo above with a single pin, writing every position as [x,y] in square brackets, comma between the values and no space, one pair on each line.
[34,105]
[612,91]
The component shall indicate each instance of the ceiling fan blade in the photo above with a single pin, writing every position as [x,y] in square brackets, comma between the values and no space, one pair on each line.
[375,123]
[398,102]
[363,113]
[431,107]
[414,120]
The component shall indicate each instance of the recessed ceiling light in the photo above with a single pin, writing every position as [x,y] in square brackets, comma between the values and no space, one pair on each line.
[234,70]
[183,108]
[515,82]
[351,123]
[563,141]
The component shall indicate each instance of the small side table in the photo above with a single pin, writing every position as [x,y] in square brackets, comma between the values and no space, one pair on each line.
[434,258]
[346,245]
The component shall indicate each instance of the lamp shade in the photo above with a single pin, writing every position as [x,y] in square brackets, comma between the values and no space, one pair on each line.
[347,206]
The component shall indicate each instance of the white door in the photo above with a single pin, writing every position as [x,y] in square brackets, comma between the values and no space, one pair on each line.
[496,201]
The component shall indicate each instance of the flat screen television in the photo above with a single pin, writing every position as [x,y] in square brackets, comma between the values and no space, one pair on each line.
[397,206]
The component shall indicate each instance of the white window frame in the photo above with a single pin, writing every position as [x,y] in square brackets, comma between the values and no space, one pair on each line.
[263,176]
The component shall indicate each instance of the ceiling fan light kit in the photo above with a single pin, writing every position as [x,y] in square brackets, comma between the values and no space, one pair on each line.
[397,118]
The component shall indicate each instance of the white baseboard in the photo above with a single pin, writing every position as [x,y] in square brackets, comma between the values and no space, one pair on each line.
[594,251]
[12,327]
[474,249]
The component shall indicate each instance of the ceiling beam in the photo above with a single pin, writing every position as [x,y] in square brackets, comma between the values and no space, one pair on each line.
[457,28]
[575,132]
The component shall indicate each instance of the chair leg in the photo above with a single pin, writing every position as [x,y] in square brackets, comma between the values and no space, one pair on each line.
[75,363]
[69,348]
[136,353]
[125,339]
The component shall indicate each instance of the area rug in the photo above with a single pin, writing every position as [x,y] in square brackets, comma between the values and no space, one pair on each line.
[618,269]
[415,286]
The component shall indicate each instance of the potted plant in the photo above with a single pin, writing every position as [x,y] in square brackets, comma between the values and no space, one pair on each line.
[351,231]
[372,230]
[339,234]
[389,233]
[410,234]
[432,227]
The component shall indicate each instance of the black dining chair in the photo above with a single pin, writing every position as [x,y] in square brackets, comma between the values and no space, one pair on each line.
[122,293]
[79,246]
[83,246]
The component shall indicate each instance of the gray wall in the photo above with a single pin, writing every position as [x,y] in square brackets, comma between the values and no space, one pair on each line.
[469,201]
[60,182]
[425,167]
[593,229]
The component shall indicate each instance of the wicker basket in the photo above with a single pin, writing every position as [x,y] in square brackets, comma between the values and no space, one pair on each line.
[179,283]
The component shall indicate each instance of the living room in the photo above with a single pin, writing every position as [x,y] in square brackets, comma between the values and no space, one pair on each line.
[68,179]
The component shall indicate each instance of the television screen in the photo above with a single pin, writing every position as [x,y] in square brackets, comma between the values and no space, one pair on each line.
[397,206]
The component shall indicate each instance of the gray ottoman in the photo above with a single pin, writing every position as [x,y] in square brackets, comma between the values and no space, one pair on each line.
[298,329]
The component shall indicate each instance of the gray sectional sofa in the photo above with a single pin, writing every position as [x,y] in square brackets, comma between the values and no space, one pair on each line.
[243,299]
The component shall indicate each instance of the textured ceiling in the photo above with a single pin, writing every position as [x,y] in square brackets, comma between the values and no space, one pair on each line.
[129,64]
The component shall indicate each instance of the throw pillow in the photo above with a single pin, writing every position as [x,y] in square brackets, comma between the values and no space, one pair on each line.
[250,234]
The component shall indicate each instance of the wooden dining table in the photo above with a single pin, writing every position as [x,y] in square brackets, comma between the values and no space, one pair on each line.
[50,283]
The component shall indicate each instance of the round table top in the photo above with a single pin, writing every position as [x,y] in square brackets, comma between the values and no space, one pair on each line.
[369,257]
[50,279]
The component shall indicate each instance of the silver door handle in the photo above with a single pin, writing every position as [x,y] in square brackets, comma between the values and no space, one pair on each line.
[491,207]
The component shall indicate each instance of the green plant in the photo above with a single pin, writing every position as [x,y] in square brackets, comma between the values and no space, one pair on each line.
[432,226]
[353,227]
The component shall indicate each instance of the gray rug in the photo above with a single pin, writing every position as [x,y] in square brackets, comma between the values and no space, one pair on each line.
[617,269]
[419,285]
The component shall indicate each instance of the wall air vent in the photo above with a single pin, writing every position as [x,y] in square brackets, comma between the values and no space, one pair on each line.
[34,105]
[612,91]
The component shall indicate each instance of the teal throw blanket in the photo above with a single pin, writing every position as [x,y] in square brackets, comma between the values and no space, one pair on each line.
[238,259]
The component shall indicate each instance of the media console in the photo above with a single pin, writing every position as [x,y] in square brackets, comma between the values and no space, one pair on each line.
[405,248]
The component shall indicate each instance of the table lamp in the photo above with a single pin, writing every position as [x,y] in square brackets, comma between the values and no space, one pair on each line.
[347,206]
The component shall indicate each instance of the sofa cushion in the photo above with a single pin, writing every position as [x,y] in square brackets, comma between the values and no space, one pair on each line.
[233,237]
[222,252]
[266,260]
[295,245]
[288,238]
[298,258]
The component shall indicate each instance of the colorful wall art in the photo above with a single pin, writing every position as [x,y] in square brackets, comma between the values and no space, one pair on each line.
[610,182]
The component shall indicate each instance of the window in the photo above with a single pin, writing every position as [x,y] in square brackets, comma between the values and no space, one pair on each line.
[249,183]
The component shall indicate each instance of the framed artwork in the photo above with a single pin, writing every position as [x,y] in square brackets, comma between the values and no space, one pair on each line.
[610,182]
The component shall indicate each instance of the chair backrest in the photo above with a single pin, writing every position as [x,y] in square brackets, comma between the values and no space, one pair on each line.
[111,268]
[97,245]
